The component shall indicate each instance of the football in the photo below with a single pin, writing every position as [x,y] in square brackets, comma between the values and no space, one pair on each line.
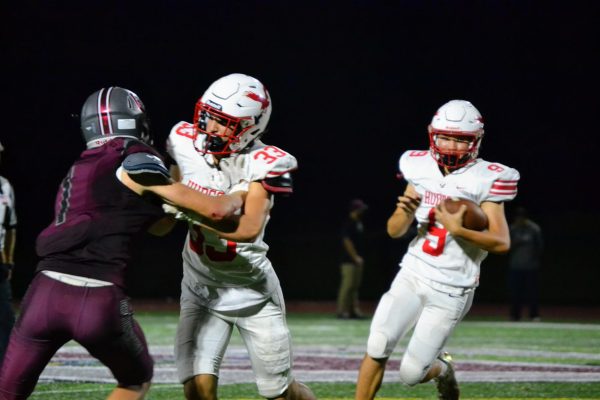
[474,218]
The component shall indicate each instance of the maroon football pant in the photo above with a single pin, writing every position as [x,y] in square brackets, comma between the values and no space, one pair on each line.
[52,313]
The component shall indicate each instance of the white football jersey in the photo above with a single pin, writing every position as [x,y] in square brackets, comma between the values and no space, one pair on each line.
[434,253]
[224,274]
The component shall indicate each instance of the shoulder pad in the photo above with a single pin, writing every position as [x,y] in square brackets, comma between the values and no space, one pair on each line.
[131,146]
[411,162]
[270,162]
[146,169]
[180,140]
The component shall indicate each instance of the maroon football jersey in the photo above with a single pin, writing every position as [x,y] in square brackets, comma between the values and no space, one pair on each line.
[96,216]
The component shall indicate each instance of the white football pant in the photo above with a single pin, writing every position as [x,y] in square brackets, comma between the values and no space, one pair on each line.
[203,336]
[412,303]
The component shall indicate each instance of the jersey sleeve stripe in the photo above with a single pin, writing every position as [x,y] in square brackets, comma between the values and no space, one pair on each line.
[276,189]
[503,193]
[504,188]
[504,185]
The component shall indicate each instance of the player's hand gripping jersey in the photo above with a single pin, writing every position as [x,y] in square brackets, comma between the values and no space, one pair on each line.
[434,253]
[227,275]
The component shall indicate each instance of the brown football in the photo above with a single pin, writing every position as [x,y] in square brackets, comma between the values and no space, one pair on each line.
[474,218]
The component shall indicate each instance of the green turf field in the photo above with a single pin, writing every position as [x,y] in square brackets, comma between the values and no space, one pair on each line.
[494,359]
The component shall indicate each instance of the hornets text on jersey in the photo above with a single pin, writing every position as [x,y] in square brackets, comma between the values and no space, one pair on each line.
[227,275]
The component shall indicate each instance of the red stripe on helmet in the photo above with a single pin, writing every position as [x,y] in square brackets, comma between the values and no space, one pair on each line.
[104,112]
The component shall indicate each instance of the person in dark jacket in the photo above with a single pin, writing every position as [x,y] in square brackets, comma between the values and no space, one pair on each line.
[524,261]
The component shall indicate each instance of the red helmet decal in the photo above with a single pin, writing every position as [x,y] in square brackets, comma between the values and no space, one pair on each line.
[262,100]
[137,101]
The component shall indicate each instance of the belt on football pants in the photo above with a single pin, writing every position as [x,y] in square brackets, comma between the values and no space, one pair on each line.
[75,280]
[451,290]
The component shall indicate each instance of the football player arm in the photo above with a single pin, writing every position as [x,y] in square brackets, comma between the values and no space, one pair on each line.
[149,175]
[255,212]
[351,250]
[162,226]
[404,215]
[496,239]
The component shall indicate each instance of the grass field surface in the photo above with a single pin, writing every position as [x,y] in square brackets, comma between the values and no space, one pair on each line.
[494,360]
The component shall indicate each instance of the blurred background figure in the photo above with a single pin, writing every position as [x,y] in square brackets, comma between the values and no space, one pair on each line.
[352,266]
[8,234]
[524,261]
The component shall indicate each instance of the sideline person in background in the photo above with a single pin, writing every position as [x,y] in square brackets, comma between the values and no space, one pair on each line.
[524,260]
[114,190]
[435,286]
[8,236]
[352,266]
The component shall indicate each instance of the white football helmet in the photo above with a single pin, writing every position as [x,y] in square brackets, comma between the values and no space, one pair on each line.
[239,102]
[459,119]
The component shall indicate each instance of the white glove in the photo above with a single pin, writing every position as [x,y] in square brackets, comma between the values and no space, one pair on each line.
[180,215]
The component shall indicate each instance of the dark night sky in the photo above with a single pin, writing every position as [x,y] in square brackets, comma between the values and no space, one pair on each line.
[353,83]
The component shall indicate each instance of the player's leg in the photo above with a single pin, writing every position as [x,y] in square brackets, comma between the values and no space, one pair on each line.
[201,340]
[532,295]
[135,392]
[7,316]
[441,314]
[201,387]
[395,315]
[515,284]
[37,335]
[439,317]
[298,390]
[109,332]
[267,338]
[344,296]
[355,311]
[370,376]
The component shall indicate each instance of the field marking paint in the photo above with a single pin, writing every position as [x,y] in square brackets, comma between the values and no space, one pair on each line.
[312,364]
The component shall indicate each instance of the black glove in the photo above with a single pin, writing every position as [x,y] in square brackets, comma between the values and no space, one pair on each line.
[4,269]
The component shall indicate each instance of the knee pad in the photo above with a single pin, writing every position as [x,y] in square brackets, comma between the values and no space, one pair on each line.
[377,345]
[275,386]
[412,370]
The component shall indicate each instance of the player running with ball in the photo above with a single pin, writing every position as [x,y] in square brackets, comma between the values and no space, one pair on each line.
[434,288]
